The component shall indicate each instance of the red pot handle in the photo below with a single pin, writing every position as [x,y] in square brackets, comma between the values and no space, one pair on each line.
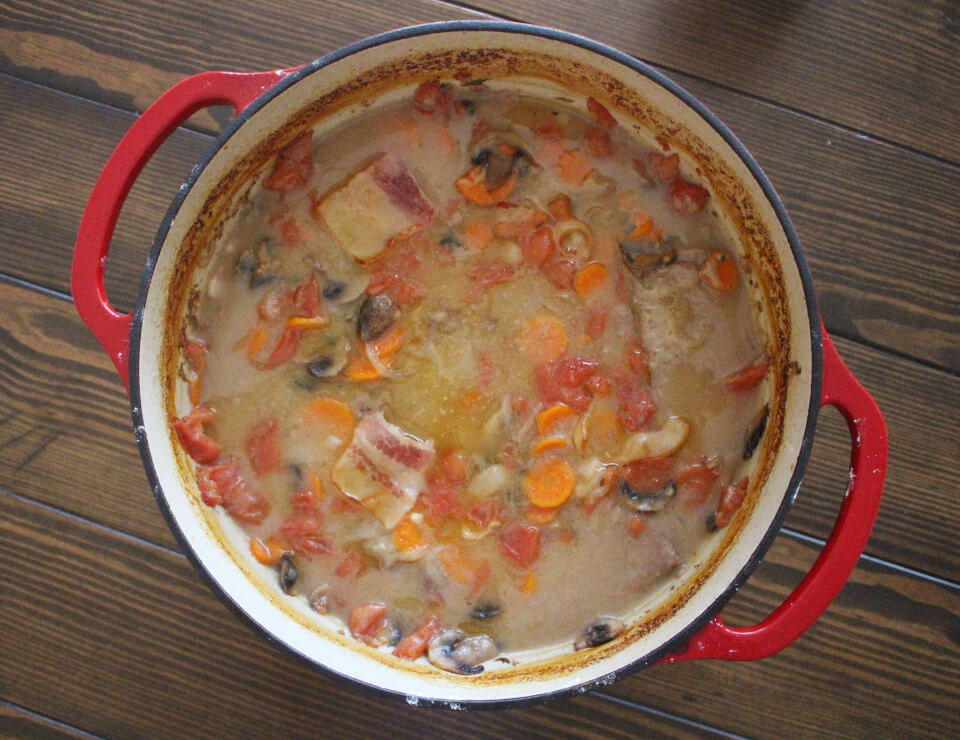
[145,136]
[868,465]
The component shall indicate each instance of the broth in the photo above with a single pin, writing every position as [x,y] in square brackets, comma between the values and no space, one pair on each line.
[475,373]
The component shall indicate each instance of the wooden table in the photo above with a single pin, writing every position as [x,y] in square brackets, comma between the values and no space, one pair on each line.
[852,109]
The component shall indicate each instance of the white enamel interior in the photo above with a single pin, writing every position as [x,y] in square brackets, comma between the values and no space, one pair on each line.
[251,587]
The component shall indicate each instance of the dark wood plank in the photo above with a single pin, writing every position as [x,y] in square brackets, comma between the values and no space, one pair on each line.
[876,221]
[68,429]
[66,435]
[881,662]
[888,68]
[146,650]
[16,722]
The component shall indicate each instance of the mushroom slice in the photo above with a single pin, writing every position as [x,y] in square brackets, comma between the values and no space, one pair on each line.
[664,441]
[648,502]
[599,632]
[451,651]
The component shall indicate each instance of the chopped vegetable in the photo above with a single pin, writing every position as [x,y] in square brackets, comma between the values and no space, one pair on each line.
[747,377]
[590,278]
[543,338]
[414,645]
[520,544]
[478,234]
[549,484]
[267,552]
[549,417]
[471,186]
[544,444]
[190,430]
[368,622]
[263,446]
[600,113]
[574,166]
[719,271]
[731,497]
[294,166]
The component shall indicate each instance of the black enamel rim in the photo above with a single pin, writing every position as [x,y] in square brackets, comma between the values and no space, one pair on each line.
[671,646]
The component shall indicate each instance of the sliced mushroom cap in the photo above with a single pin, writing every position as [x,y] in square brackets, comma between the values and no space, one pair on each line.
[756,433]
[642,501]
[451,651]
[599,632]
[377,315]
[287,573]
[663,441]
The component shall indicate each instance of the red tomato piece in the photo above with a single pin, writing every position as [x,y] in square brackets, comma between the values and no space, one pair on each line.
[595,322]
[350,566]
[414,645]
[291,234]
[190,430]
[454,466]
[666,168]
[599,111]
[196,353]
[597,142]
[560,273]
[285,349]
[687,197]
[488,274]
[520,544]
[538,246]
[637,406]
[730,499]
[637,361]
[409,293]
[486,512]
[367,621]
[748,377]
[302,532]
[648,475]
[440,501]
[294,166]
[565,381]
[695,481]
[208,488]
[263,446]
[432,97]
[306,298]
[240,500]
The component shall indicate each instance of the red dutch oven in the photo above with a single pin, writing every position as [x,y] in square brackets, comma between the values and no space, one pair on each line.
[683,621]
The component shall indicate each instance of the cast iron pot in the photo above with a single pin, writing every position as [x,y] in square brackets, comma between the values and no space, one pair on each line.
[682,621]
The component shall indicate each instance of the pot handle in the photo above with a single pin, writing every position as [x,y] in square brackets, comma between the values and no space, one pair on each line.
[145,136]
[868,465]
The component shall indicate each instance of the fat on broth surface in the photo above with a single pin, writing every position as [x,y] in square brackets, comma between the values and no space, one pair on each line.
[484,318]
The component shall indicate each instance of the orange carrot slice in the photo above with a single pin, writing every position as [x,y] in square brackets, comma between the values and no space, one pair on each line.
[267,552]
[539,516]
[335,417]
[551,415]
[549,484]
[574,166]
[590,278]
[548,443]
[472,188]
[407,536]
[719,271]
[543,338]
[308,322]
[478,234]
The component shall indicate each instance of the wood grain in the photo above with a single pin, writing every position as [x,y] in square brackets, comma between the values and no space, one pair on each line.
[885,68]
[129,621]
[876,221]
[68,430]
[96,615]
[16,722]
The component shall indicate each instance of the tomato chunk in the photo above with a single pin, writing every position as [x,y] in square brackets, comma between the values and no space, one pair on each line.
[263,446]
[695,481]
[730,499]
[367,621]
[597,142]
[520,544]
[431,98]
[649,474]
[637,406]
[414,645]
[190,430]
[286,348]
[748,377]
[599,111]
[294,166]
[227,486]
[687,197]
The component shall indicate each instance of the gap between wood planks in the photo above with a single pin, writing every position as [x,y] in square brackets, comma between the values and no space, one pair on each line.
[42,719]
[139,541]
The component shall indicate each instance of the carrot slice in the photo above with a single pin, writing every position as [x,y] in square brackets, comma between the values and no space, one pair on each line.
[540,516]
[590,278]
[360,369]
[407,536]
[267,552]
[387,345]
[530,583]
[719,271]
[642,225]
[543,338]
[335,416]
[636,525]
[256,340]
[472,188]
[574,166]
[548,443]
[551,415]
[478,234]
[549,484]
[308,322]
